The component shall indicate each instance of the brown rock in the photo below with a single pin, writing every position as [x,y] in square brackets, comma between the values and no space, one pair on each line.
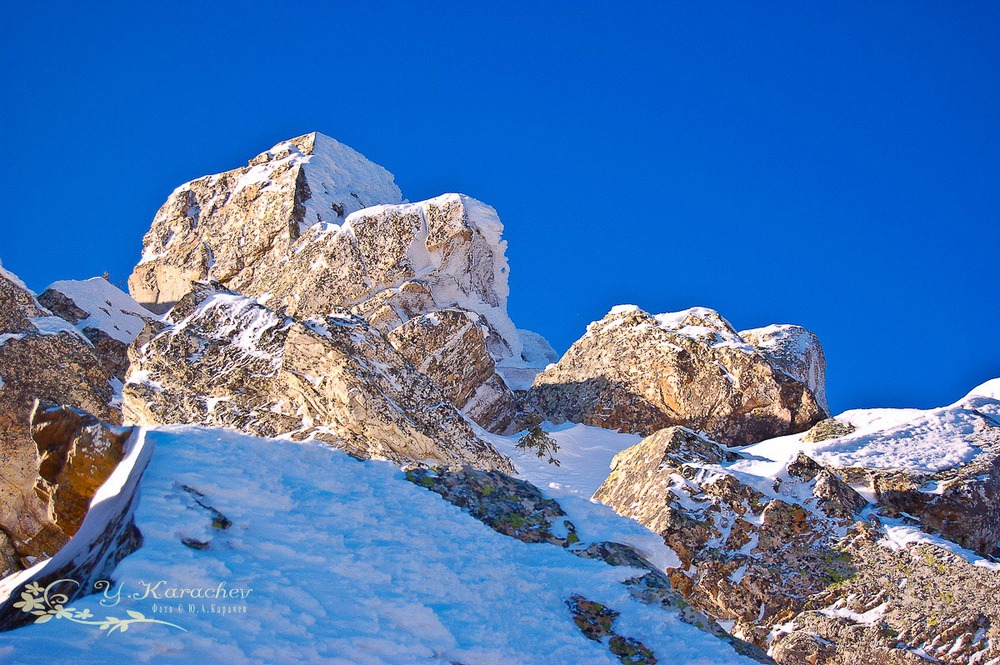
[76,454]
[639,373]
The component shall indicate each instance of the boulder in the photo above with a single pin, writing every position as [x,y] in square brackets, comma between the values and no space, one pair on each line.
[796,352]
[640,373]
[103,313]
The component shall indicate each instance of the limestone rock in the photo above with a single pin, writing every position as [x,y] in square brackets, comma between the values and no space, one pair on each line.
[639,373]
[76,454]
[41,357]
[226,360]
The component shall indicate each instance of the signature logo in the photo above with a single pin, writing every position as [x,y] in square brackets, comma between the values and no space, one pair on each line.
[46,604]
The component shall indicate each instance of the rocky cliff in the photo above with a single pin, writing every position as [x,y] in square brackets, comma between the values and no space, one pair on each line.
[311,226]
[640,373]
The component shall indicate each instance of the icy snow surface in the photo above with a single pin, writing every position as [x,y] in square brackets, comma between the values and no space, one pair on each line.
[348,563]
[907,439]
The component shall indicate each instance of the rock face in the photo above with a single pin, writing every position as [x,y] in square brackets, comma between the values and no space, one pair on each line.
[222,226]
[41,357]
[225,360]
[311,226]
[76,454]
[452,347]
[639,373]
[107,533]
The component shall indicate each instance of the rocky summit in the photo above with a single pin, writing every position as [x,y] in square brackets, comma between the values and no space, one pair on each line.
[315,389]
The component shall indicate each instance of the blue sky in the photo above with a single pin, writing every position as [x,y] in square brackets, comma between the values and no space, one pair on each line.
[835,166]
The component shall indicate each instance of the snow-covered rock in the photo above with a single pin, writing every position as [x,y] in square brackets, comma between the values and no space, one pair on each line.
[102,312]
[795,351]
[223,359]
[939,466]
[311,226]
[796,561]
[452,347]
[640,373]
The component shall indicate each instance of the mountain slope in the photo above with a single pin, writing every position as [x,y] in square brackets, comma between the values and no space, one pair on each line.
[346,563]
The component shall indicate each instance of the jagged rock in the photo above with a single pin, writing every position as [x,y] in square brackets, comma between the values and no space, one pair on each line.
[836,497]
[750,553]
[76,454]
[311,226]
[901,607]
[796,352]
[451,346]
[41,357]
[103,313]
[222,226]
[226,360]
[639,373]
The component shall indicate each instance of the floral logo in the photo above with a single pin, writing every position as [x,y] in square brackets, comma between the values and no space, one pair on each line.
[46,605]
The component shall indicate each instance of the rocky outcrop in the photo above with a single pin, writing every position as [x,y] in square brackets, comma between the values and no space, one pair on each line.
[223,226]
[311,226]
[802,564]
[103,313]
[77,453]
[796,352]
[638,373]
[41,357]
[226,360]
[106,535]
[749,552]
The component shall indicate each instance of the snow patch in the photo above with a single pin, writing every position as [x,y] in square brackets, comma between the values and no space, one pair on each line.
[109,308]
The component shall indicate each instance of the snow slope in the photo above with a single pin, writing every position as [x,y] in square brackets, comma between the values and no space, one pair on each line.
[907,439]
[341,561]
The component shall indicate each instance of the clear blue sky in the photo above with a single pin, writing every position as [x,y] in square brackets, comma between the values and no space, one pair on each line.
[835,166]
